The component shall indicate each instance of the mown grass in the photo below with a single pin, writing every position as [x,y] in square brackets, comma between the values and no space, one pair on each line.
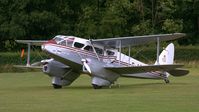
[32,92]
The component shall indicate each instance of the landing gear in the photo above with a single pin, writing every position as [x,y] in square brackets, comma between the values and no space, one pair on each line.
[166,81]
[98,82]
[96,86]
[116,83]
[57,82]
[165,76]
[56,86]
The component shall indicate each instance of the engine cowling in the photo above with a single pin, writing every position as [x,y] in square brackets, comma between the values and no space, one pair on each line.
[54,68]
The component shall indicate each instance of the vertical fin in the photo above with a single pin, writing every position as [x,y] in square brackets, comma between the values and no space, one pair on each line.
[167,55]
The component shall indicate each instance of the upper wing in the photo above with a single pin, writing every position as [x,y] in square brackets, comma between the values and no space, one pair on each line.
[136,40]
[141,69]
[32,42]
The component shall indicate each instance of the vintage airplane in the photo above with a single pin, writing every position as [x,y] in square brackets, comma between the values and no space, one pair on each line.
[102,59]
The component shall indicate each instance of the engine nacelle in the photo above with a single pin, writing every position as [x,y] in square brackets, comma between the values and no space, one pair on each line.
[99,82]
[61,74]
[59,82]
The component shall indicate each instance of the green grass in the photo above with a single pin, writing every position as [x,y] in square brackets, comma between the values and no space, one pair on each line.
[32,92]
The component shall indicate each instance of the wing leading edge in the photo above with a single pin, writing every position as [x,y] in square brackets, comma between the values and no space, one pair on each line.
[136,40]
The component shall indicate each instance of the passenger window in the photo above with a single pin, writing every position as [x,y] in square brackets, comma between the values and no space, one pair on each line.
[70,41]
[78,45]
[110,52]
[88,48]
[98,50]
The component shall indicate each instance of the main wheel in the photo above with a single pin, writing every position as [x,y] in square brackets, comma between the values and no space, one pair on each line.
[96,86]
[166,81]
[57,86]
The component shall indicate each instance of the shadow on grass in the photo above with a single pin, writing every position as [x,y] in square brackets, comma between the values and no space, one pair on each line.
[44,88]
[84,87]
[140,85]
[150,85]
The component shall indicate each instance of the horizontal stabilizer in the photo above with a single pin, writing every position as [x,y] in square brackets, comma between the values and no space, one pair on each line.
[178,72]
[27,67]
[141,69]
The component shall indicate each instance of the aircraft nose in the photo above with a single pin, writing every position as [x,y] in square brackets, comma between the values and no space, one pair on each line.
[52,42]
[43,46]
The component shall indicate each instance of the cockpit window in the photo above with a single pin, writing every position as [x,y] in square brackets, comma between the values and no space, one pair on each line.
[63,42]
[78,45]
[58,39]
[98,50]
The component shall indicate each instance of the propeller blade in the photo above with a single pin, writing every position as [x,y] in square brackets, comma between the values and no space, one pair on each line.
[86,65]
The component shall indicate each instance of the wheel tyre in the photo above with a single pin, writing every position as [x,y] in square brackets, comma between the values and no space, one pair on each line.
[167,81]
[57,86]
[96,86]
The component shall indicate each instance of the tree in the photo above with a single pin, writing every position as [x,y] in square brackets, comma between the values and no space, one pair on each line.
[43,19]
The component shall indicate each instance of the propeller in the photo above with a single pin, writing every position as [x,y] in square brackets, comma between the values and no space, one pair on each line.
[84,61]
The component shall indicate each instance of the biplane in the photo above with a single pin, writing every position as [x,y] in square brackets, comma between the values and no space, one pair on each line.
[102,59]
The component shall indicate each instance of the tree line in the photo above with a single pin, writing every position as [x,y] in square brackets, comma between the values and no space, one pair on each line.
[43,19]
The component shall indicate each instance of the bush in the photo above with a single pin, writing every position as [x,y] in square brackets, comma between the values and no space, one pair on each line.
[8,59]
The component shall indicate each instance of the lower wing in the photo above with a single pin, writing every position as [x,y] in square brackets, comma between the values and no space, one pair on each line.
[171,68]
[28,67]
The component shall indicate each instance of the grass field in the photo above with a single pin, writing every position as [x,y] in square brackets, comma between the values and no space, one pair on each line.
[32,92]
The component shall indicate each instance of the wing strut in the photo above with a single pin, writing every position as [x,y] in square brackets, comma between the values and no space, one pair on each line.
[94,50]
[28,56]
[158,50]
[129,55]
[120,50]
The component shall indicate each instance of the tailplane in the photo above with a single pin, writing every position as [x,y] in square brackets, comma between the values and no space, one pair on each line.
[167,58]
